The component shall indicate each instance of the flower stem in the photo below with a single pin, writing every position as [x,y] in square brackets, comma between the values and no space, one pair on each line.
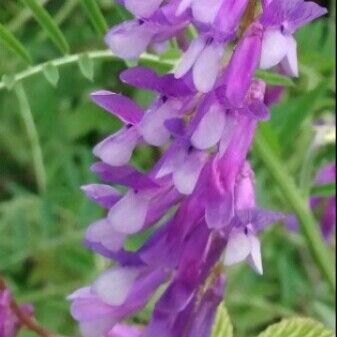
[301,208]
[249,15]
[33,137]
[94,55]
[29,322]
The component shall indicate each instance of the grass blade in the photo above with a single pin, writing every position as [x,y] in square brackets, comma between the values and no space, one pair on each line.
[33,138]
[95,15]
[49,25]
[12,43]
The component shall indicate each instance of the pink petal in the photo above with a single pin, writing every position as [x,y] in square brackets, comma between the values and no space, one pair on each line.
[219,210]
[80,293]
[290,63]
[96,328]
[238,248]
[102,232]
[210,129]
[255,253]
[206,11]
[121,330]
[129,214]
[183,5]
[114,285]
[206,68]
[129,40]
[274,48]
[122,107]
[104,195]
[190,57]
[142,9]
[227,134]
[185,177]
[117,149]
[153,127]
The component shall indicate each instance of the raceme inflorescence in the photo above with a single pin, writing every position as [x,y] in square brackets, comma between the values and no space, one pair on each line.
[198,200]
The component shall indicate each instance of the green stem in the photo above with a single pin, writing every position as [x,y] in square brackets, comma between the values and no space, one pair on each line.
[305,175]
[301,208]
[70,59]
[33,137]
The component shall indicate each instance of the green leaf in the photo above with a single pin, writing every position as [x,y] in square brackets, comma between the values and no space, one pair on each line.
[86,65]
[269,133]
[223,326]
[8,81]
[327,190]
[297,327]
[131,63]
[51,73]
[48,24]
[12,43]
[95,15]
[288,116]
[293,195]
[274,78]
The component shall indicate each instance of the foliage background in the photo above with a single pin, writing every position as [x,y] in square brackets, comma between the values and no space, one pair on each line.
[41,227]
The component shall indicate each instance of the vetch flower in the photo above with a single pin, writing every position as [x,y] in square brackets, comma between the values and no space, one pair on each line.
[130,39]
[281,19]
[198,201]
[123,330]
[203,56]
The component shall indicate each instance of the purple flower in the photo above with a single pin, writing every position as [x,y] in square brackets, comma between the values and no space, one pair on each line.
[203,57]
[211,187]
[130,39]
[142,9]
[281,18]
[198,200]
[214,13]
[122,330]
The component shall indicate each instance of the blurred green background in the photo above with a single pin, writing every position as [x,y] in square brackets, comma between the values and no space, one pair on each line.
[46,136]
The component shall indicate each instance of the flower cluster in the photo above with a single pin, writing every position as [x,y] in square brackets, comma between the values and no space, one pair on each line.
[198,201]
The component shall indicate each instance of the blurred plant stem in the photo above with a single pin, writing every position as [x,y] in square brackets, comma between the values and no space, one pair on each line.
[33,137]
[300,206]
